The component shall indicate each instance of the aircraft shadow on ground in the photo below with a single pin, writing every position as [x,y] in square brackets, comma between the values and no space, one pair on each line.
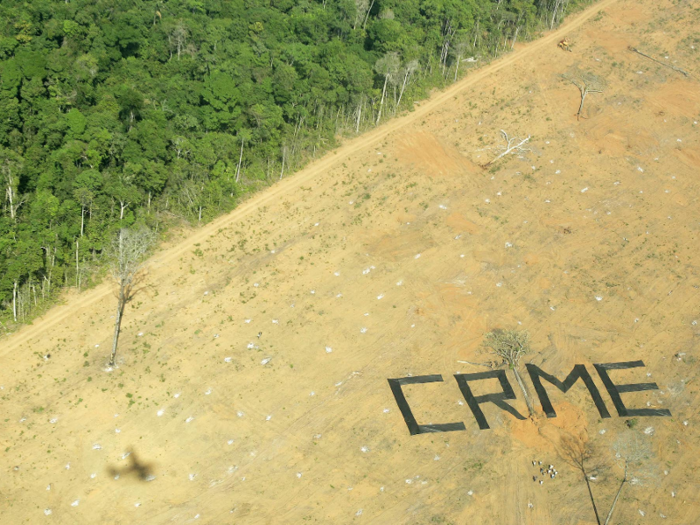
[141,470]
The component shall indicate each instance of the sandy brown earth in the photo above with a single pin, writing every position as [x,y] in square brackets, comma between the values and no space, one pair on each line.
[393,256]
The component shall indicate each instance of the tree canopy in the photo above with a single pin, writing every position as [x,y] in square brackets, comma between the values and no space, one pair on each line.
[135,112]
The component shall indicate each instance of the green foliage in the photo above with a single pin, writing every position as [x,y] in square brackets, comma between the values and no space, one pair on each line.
[121,113]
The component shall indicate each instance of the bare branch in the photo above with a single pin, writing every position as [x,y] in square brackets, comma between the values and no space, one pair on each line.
[512,146]
[490,365]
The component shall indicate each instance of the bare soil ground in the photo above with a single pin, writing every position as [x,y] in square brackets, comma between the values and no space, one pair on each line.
[393,256]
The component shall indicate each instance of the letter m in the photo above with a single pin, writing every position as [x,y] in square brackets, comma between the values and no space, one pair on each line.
[578,372]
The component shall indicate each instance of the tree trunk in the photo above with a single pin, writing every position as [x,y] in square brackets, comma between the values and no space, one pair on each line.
[515,37]
[337,116]
[118,323]
[617,496]
[53,263]
[240,159]
[406,79]
[82,219]
[14,301]
[584,92]
[509,148]
[284,158]
[528,402]
[10,198]
[77,264]
[364,24]
[557,3]
[381,104]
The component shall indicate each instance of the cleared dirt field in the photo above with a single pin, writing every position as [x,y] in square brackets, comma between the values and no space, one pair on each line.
[389,257]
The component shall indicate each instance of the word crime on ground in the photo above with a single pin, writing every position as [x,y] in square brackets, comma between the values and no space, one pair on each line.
[499,399]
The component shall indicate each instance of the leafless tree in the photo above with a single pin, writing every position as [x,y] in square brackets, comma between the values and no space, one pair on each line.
[513,145]
[448,32]
[586,83]
[388,67]
[86,199]
[511,346]
[458,50]
[128,252]
[558,8]
[631,449]
[177,38]
[363,9]
[10,166]
[406,72]
[360,9]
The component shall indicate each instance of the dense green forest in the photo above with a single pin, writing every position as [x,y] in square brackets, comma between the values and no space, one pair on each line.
[117,113]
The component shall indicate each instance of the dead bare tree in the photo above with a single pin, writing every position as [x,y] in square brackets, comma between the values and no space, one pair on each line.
[177,38]
[360,9]
[559,6]
[388,67]
[127,255]
[586,83]
[631,449]
[511,346]
[363,9]
[86,198]
[10,166]
[406,72]
[459,48]
[512,146]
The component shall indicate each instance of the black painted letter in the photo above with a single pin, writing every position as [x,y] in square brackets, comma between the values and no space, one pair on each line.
[578,372]
[615,390]
[497,399]
[413,426]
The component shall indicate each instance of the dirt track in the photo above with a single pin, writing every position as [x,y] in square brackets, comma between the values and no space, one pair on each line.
[392,257]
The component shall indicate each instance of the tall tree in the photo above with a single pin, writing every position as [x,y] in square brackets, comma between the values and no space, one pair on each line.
[128,253]
[387,67]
